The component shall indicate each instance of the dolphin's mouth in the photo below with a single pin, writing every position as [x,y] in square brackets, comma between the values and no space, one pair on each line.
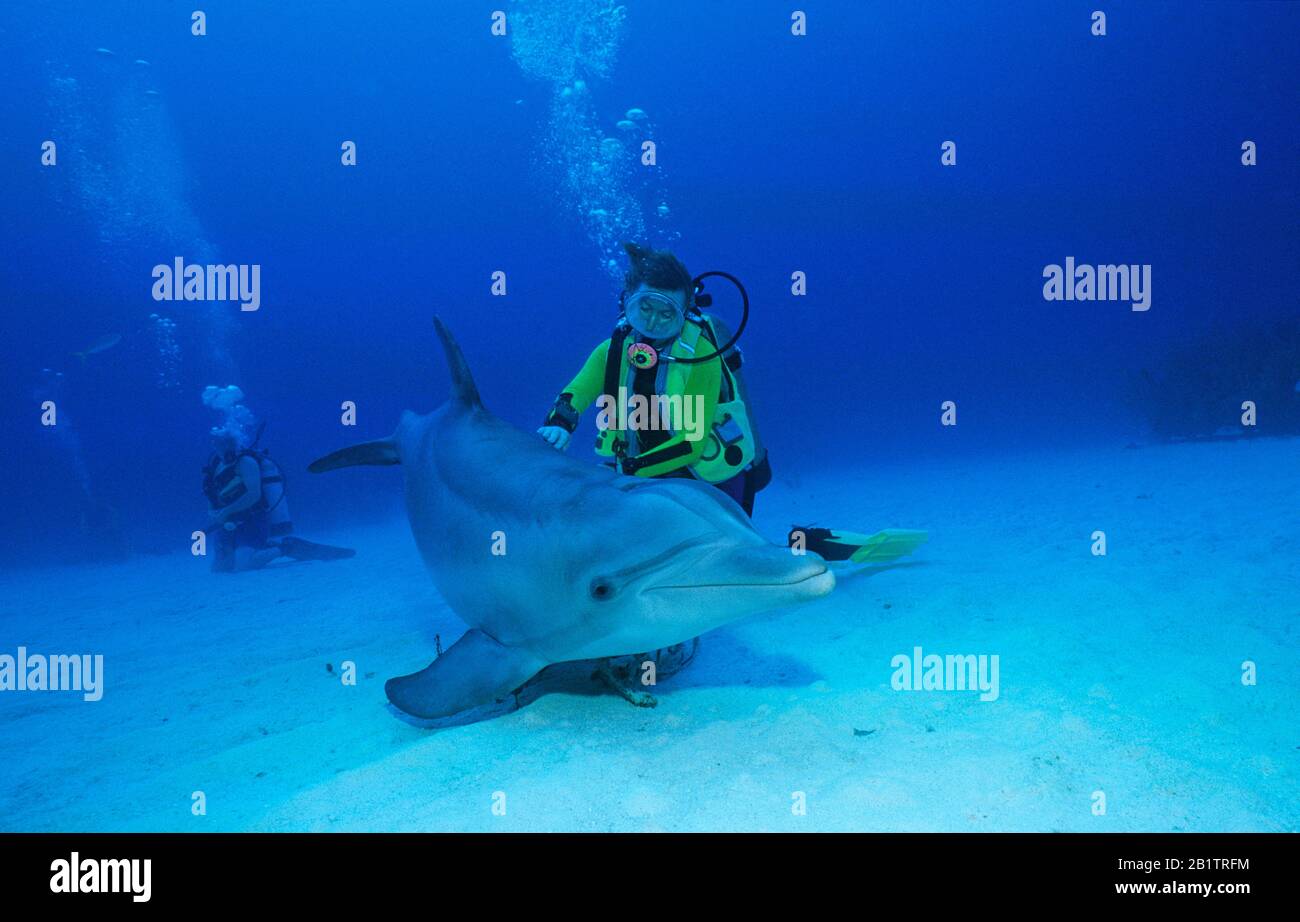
[824,571]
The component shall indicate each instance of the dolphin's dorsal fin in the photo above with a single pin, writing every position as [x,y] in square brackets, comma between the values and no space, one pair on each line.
[464,390]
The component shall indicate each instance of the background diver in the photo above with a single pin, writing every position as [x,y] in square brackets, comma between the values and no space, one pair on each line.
[250,523]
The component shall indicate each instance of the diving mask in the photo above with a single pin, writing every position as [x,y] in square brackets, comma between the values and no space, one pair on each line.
[654,314]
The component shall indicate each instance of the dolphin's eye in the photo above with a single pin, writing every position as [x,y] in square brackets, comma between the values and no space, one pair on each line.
[602,589]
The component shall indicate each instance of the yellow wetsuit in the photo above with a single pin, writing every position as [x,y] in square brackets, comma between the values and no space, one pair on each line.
[699,383]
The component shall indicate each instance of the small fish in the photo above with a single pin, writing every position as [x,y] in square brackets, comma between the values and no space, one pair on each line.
[105,53]
[151,92]
[103,344]
[140,62]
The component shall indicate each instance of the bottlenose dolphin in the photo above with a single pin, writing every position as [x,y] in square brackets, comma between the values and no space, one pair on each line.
[549,559]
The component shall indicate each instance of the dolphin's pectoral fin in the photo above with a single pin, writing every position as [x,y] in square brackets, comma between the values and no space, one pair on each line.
[476,670]
[383,451]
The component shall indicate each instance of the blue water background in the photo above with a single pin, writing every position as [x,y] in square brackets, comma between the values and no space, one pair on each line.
[818,154]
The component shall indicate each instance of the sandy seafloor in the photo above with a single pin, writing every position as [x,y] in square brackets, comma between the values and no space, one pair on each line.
[1118,673]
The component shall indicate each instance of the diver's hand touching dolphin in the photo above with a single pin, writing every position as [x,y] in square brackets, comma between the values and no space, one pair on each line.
[595,563]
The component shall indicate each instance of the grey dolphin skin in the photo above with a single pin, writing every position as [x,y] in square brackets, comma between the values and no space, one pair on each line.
[595,563]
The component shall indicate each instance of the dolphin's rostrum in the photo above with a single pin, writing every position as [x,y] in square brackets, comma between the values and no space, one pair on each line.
[596,563]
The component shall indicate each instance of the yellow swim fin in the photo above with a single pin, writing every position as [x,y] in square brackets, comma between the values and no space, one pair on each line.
[885,546]
[837,546]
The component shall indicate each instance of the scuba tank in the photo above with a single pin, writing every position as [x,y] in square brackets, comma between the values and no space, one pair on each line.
[222,486]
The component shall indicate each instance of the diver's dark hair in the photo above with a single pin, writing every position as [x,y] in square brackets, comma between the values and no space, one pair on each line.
[656,268]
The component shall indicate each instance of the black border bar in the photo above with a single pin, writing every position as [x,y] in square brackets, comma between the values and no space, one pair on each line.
[247,870]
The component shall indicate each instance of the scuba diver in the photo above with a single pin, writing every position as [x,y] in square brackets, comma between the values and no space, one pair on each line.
[666,348]
[246,498]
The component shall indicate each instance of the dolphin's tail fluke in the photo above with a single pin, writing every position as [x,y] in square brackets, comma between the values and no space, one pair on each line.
[382,452]
[462,382]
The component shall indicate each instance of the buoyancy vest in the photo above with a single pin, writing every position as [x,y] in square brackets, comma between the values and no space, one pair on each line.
[729,443]
[223,486]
